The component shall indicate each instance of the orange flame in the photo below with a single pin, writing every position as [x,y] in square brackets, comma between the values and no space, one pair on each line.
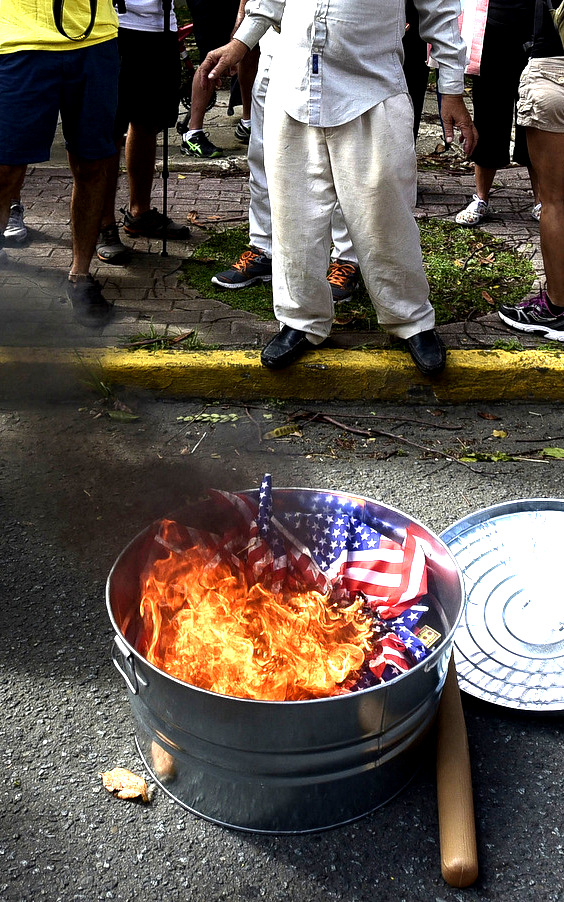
[204,625]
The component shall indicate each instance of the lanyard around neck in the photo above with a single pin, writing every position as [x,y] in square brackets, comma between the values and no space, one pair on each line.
[58,6]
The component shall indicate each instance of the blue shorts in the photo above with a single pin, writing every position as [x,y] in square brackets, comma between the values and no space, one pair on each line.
[37,85]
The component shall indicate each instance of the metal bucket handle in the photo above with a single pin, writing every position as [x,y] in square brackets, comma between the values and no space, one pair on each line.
[125,664]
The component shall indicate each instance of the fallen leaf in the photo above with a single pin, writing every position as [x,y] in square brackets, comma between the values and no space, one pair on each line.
[281,431]
[499,433]
[125,784]
[481,456]
[554,452]
[488,298]
[210,418]
[124,416]
[488,416]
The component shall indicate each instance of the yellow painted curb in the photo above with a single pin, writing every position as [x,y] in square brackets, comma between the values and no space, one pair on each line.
[327,374]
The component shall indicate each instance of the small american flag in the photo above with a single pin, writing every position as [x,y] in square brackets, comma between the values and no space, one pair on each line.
[349,547]
[270,554]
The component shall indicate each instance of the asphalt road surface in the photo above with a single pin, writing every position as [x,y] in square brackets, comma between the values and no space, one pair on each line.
[78,480]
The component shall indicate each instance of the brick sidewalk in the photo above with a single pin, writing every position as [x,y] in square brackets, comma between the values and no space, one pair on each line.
[35,312]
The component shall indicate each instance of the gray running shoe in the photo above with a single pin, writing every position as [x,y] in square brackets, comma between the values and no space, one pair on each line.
[252,266]
[15,228]
[242,132]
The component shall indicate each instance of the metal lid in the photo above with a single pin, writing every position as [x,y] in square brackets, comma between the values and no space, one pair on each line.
[509,645]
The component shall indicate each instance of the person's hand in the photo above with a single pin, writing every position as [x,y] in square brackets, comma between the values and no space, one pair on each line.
[454,114]
[222,61]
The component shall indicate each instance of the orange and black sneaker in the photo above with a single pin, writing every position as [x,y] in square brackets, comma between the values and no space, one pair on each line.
[251,267]
[343,279]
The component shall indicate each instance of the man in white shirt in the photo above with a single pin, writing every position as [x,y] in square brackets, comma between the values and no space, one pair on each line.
[339,127]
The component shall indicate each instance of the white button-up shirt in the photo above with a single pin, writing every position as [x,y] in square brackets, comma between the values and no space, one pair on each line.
[337,59]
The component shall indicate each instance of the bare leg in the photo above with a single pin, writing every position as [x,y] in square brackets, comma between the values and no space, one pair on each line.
[246,72]
[201,96]
[109,210]
[16,198]
[484,181]
[87,203]
[140,156]
[546,150]
[11,181]
[485,177]
[534,183]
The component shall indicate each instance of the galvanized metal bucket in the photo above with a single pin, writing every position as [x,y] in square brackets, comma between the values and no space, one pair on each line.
[282,767]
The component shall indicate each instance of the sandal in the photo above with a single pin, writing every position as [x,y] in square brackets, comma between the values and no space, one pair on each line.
[109,248]
[153,224]
[474,213]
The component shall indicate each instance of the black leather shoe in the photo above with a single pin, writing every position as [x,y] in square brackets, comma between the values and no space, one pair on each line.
[428,352]
[285,348]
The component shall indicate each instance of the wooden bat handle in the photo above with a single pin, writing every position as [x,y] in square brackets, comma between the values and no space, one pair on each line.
[457,830]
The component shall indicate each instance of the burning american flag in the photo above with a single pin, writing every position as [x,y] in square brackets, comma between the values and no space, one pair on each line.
[337,547]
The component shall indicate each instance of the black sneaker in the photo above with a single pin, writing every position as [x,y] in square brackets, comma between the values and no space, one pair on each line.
[89,304]
[153,224]
[242,132]
[534,315]
[199,145]
[252,266]
[109,248]
[343,279]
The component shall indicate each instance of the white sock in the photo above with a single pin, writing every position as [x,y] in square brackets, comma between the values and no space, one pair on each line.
[194,131]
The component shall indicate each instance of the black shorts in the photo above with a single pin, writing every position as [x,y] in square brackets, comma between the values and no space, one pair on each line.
[494,94]
[37,85]
[149,81]
[213,23]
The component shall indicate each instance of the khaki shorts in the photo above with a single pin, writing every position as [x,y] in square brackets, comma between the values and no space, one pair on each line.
[541,94]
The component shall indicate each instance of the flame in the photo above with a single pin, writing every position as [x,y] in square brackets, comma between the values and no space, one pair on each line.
[204,625]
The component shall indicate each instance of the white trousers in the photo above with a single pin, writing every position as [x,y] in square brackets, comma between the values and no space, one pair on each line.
[260,223]
[369,167]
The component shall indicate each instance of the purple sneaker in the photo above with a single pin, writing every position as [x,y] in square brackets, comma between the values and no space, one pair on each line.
[534,315]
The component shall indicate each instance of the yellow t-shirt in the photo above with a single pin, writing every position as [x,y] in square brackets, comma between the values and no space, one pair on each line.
[30,24]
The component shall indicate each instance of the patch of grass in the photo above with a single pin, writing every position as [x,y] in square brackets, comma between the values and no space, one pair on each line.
[508,344]
[155,340]
[469,272]
[555,348]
